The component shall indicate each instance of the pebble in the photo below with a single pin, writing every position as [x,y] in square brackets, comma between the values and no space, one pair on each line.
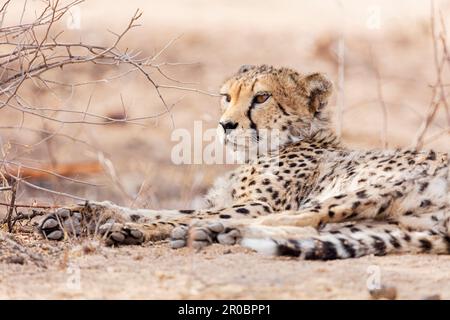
[385,292]
[16,260]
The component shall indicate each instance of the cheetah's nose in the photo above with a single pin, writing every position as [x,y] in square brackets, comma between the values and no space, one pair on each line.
[228,126]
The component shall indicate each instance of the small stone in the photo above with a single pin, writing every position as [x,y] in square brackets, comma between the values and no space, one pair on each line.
[55,235]
[384,292]
[117,236]
[176,244]
[50,224]
[89,248]
[16,260]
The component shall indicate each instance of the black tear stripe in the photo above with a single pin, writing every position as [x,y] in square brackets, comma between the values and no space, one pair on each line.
[252,123]
[283,110]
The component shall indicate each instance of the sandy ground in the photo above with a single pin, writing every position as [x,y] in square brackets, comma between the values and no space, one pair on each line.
[90,271]
[219,37]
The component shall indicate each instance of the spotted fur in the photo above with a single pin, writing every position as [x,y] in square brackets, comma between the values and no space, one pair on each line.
[307,196]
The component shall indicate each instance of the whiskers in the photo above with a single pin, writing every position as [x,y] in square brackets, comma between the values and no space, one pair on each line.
[249,144]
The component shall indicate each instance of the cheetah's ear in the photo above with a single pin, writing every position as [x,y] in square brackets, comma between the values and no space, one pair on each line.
[319,89]
[244,68]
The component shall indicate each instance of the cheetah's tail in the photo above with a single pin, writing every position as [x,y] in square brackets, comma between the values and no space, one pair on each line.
[354,241]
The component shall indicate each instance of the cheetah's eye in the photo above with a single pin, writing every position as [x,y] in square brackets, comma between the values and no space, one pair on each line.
[261,98]
[226,96]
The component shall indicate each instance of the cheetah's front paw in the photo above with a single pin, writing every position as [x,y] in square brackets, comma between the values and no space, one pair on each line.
[201,235]
[78,220]
[54,225]
[121,233]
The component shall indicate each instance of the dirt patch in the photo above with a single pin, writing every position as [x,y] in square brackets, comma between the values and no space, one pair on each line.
[87,270]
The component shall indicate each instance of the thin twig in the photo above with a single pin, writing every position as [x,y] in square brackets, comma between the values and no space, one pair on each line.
[27,216]
[11,206]
[380,98]
[35,206]
[438,90]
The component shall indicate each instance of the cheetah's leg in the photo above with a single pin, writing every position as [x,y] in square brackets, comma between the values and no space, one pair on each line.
[229,232]
[122,225]
[387,204]
[94,217]
[334,241]
[437,221]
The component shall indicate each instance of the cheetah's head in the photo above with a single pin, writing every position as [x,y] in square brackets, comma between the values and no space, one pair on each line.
[263,105]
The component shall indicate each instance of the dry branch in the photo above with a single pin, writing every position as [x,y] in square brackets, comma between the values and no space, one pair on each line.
[438,95]
[31,206]
[31,55]
[11,206]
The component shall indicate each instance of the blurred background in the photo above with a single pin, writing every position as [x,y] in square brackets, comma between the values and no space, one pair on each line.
[381,55]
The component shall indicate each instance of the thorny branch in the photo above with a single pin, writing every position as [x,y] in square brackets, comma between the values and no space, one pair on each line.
[32,53]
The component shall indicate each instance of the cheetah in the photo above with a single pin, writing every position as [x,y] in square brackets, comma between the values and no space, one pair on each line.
[306,196]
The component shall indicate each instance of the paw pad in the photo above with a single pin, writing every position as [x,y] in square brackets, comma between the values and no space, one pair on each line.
[54,224]
[118,233]
[199,236]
